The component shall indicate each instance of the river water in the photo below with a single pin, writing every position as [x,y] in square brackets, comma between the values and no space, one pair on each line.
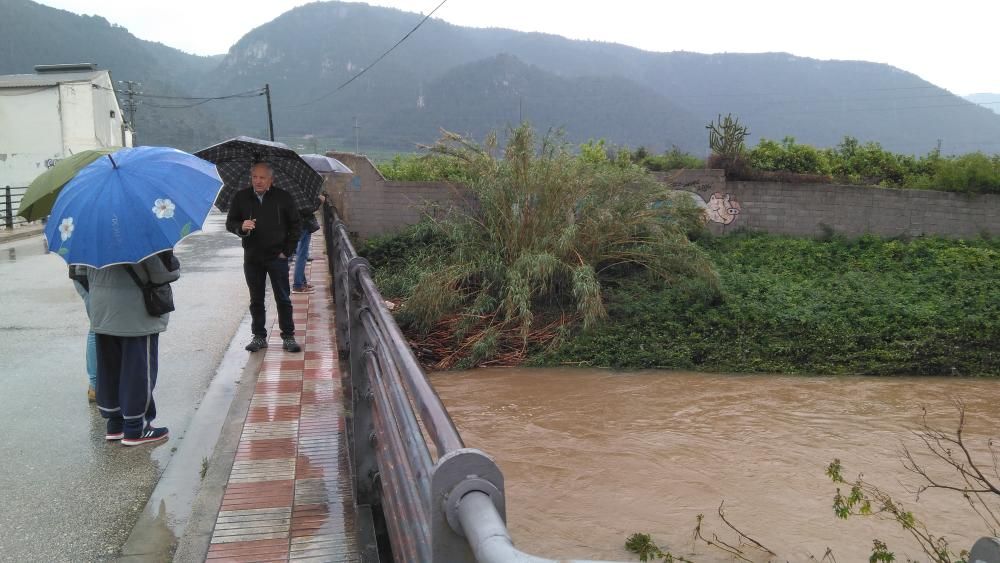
[591,456]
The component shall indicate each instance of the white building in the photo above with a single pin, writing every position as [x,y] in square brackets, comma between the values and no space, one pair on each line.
[54,113]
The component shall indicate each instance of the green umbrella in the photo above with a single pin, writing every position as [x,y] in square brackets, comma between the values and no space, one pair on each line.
[41,194]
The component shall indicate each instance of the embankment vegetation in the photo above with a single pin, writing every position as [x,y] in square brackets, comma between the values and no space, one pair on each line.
[581,259]
[927,306]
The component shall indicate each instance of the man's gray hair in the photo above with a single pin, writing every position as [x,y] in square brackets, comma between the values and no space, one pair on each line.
[267,165]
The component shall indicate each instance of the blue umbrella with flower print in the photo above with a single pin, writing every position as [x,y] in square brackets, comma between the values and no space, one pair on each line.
[131,204]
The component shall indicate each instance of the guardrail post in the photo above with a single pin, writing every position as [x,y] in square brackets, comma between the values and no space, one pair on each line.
[8,215]
[986,550]
[456,474]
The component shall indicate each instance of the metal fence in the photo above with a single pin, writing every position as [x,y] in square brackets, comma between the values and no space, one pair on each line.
[10,199]
[420,493]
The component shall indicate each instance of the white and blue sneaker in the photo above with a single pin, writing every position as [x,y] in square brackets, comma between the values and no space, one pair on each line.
[147,436]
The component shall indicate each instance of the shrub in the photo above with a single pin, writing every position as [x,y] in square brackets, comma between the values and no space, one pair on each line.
[869,164]
[549,228]
[973,172]
[670,160]
[422,168]
[788,156]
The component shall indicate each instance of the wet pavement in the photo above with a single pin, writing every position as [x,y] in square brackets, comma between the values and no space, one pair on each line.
[288,496]
[66,494]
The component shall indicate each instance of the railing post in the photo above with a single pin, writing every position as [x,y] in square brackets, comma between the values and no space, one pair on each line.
[8,215]
[340,298]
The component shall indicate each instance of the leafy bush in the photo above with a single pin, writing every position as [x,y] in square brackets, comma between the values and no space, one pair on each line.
[973,172]
[595,152]
[869,164]
[422,168]
[788,156]
[671,160]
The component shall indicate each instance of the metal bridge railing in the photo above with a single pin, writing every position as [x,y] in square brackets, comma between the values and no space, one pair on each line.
[415,482]
[10,198]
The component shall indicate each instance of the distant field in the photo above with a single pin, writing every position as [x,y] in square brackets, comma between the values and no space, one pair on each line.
[320,145]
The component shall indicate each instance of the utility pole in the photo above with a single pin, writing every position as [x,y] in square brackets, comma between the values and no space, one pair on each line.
[356,149]
[520,113]
[131,104]
[270,121]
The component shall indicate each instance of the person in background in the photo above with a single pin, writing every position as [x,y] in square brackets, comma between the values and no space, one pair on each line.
[309,225]
[269,223]
[79,276]
[128,346]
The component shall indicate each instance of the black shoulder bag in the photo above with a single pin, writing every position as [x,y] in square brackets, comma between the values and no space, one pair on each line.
[159,299]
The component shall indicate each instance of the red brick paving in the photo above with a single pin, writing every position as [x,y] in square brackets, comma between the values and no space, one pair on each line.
[265,517]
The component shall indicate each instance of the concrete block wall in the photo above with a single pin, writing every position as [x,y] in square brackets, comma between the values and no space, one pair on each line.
[810,209]
[371,205]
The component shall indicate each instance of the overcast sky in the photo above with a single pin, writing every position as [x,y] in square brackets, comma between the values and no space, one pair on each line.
[952,44]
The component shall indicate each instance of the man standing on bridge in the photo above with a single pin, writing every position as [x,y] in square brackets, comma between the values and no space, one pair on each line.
[267,220]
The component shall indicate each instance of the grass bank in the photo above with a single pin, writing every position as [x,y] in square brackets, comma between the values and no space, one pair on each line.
[928,306]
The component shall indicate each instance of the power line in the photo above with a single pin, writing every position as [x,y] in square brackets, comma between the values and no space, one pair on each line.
[202,101]
[247,94]
[375,62]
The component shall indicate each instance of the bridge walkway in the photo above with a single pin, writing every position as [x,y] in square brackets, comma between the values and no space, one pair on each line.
[289,495]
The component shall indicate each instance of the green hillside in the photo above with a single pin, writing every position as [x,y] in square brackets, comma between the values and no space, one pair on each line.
[446,76]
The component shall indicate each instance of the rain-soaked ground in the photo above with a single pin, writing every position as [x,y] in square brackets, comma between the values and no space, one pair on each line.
[66,494]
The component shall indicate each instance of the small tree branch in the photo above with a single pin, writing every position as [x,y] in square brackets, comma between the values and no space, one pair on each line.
[717,544]
[760,546]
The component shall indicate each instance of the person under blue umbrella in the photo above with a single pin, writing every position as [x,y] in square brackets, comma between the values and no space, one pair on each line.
[117,222]
[79,276]
[128,345]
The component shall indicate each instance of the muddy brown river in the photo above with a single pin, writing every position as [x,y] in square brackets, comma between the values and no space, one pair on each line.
[591,456]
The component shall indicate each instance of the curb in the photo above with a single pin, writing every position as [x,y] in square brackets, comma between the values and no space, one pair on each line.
[20,233]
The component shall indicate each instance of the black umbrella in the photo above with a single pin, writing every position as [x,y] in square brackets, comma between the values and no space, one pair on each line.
[235,157]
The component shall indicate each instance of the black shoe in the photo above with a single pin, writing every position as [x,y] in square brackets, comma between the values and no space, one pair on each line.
[309,259]
[257,343]
[290,345]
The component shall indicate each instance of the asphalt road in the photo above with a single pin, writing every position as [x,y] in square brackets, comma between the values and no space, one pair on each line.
[66,494]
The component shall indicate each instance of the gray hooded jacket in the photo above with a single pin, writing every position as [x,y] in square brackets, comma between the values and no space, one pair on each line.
[116,304]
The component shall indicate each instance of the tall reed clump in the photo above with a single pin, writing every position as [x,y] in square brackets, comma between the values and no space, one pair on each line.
[528,260]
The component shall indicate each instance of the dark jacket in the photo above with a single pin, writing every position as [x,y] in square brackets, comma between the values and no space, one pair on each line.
[278,223]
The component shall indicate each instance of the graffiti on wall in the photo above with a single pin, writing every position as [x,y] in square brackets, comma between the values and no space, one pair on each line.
[722,208]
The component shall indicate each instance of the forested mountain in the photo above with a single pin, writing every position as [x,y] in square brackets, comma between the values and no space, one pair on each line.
[508,90]
[992,101]
[472,80]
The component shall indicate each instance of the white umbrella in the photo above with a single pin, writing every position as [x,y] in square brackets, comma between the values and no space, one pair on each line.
[326,164]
